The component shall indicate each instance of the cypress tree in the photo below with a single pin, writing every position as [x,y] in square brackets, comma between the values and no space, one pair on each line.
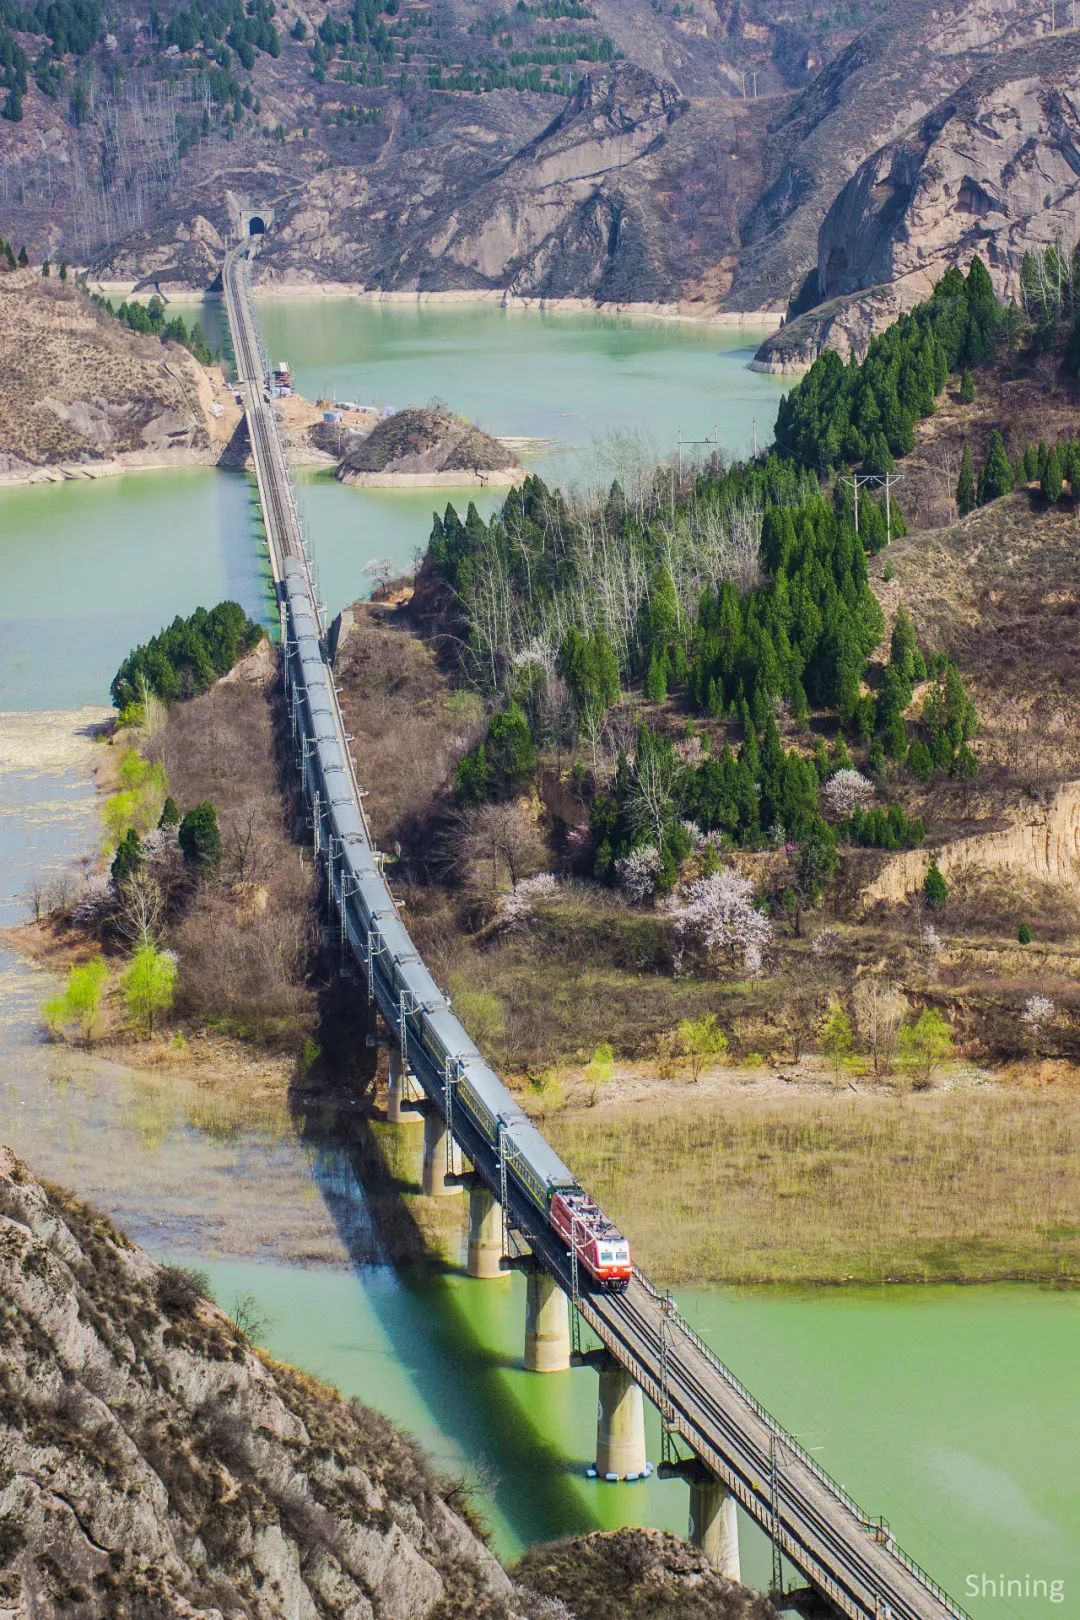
[935,888]
[967,387]
[1051,478]
[996,478]
[128,858]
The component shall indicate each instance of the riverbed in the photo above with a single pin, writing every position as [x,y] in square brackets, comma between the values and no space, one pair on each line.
[952,1412]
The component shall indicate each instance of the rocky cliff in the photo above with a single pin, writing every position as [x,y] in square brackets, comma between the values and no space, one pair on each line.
[152,1464]
[993,169]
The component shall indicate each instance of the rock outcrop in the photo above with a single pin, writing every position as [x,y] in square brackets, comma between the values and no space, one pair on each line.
[152,1464]
[993,169]
[893,74]
[1043,845]
[424,448]
[637,1575]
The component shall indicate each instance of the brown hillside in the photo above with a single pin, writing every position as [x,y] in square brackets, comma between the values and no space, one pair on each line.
[79,387]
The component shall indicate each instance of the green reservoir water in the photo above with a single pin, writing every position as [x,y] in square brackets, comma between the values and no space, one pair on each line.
[953,1412]
[594,391]
[90,569]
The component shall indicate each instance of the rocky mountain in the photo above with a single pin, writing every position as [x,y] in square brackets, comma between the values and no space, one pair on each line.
[153,1465]
[992,169]
[621,150]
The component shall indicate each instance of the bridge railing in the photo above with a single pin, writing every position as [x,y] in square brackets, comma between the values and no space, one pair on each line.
[792,1445]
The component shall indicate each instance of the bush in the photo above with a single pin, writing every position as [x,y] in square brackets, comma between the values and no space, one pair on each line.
[1023,934]
[80,1001]
[924,1045]
[181,1289]
[149,986]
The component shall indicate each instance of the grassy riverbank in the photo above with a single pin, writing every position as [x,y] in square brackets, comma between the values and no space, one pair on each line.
[957,1187]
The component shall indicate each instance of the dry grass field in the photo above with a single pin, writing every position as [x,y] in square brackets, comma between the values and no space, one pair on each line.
[973,1185]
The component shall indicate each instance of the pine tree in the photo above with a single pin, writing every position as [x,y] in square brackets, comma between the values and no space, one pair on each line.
[1051,478]
[24,259]
[935,889]
[46,268]
[996,478]
[967,387]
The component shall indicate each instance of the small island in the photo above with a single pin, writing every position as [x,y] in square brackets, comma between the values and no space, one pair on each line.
[422,448]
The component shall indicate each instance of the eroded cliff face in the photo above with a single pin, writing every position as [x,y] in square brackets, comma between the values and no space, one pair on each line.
[994,169]
[151,1464]
[1042,844]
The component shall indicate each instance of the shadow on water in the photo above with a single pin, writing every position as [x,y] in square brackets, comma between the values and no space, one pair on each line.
[427,1311]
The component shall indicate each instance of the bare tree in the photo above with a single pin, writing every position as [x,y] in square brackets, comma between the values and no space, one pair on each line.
[880,1009]
[497,838]
[140,911]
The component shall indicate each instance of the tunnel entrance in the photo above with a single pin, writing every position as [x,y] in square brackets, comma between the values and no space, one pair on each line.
[256,225]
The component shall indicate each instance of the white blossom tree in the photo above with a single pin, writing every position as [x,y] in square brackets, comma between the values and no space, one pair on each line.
[1037,1016]
[637,872]
[845,791]
[518,907]
[717,914]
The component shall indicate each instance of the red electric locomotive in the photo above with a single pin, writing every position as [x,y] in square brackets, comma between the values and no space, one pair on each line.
[601,1248]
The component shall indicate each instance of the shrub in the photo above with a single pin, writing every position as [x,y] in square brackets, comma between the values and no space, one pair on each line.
[1023,934]
[80,1001]
[181,1289]
[701,1039]
[924,1045]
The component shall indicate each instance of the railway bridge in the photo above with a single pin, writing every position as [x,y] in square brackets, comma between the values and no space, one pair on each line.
[715,1434]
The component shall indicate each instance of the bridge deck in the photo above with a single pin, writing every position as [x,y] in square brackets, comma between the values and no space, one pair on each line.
[848,1558]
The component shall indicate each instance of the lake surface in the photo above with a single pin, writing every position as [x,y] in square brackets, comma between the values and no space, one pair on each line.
[595,393]
[953,1412]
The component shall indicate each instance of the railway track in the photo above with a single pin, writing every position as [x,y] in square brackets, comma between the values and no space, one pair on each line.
[850,1559]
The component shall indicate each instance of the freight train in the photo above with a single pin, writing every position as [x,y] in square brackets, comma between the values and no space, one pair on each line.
[434,1043]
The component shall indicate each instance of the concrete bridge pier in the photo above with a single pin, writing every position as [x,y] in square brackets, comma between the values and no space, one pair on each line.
[714,1528]
[401,1092]
[547,1324]
[485,1234]
[439,1170]
[620,1420]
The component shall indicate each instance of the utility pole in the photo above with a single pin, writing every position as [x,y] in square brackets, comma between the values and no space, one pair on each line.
[755,438]
[855,481]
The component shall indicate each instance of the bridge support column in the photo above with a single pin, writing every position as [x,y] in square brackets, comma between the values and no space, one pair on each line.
[547,1324]
[620,1424]
[713,1525]
[485,1234]
[400,1092]
[436,1169]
